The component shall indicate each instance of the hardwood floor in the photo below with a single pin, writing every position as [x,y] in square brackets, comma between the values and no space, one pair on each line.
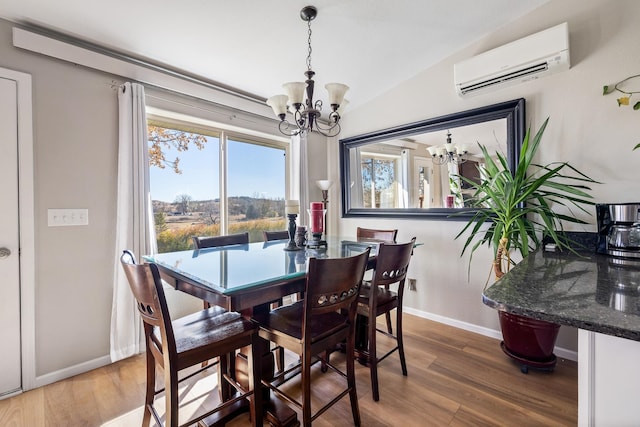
[456,378]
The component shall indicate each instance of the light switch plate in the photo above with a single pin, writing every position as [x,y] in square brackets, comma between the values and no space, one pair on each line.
[66,217]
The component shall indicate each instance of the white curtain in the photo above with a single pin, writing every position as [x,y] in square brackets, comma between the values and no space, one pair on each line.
[299,187]
[134,220]
[403,190]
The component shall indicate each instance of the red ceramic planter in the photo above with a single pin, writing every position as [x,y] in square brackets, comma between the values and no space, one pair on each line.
[528,340]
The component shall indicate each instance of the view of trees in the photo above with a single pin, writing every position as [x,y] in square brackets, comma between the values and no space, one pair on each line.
[377,175]
[177,222]
[160,137]
[183,200]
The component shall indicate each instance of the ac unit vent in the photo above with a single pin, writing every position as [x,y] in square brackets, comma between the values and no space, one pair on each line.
[526,59]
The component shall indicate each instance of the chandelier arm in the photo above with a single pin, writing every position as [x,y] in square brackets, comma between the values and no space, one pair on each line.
[457,159]
[328,131]
[288,129]
[439,159]
[300,116]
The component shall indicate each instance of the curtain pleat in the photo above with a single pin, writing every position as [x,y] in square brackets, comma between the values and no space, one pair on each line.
[134,216]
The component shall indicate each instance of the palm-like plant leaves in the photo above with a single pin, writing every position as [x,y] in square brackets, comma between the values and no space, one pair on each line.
[518,204]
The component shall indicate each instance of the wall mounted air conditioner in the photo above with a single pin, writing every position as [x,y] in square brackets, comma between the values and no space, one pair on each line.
[529,58]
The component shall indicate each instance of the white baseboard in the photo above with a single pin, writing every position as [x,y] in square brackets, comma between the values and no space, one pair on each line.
[563,353]
[80,368]
[488,332]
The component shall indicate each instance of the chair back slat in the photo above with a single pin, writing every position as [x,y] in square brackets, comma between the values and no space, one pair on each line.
[373,234]
[146,286]
[275,235]
[202,242]
[333,283]
[392,262]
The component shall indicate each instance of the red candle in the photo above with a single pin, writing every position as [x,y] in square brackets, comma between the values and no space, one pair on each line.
[316,214]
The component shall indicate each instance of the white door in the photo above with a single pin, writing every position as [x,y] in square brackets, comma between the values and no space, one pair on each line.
[10,369]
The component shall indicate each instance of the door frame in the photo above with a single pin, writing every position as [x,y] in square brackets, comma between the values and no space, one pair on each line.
[26,217]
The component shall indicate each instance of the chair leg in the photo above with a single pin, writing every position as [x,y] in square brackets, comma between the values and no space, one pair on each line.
[171,397]
[255,383]
[223,386]
[279,356]
[373,359]
[388,317]
[351,381]
[400,340]
[206,305]
[323,362]
[306,389]
[151,385]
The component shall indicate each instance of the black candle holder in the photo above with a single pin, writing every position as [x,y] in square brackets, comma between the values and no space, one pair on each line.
[316,241]
[291,246]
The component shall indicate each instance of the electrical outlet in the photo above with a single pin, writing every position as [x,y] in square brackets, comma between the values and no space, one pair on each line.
[412,284]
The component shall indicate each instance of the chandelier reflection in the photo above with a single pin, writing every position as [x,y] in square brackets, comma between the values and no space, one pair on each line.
[306,112]
[448,153]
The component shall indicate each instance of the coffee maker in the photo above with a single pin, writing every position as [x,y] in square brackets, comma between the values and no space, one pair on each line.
[619,230]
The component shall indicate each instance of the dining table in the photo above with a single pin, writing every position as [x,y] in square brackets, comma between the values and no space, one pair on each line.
[248,278]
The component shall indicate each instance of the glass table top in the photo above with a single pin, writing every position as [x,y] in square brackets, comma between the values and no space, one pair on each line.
[230,269]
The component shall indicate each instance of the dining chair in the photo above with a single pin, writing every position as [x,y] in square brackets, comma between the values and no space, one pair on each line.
[376,298]
[175,345]
[374,234]
[384,235]
[202,242]
[275,235]
[316,325]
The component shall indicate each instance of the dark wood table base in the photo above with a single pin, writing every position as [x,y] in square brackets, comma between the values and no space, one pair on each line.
[277,412]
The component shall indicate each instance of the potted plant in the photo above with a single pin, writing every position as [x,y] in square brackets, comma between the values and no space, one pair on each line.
[516,214]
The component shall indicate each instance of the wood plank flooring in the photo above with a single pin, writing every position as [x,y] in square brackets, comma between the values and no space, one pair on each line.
[456,378]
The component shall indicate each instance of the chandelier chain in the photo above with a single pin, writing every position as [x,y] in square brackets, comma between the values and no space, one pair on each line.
[309,48]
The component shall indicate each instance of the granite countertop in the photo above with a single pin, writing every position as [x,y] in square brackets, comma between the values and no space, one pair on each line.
[587,291]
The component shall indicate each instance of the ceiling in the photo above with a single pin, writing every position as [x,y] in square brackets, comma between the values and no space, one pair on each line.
[256,45]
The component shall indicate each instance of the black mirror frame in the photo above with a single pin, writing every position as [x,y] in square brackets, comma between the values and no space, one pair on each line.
[513,111]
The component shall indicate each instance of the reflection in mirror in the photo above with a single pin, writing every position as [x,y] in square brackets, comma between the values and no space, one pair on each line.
[415,169]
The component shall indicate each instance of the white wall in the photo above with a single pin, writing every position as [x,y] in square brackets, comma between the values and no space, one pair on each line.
[585,128]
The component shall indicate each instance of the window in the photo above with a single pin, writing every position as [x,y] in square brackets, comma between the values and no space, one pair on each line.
[208,182]
[379,180]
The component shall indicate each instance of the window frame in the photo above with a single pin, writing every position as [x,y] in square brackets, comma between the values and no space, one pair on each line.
[223,132]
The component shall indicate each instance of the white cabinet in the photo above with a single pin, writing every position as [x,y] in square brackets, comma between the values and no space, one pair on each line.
[608,380]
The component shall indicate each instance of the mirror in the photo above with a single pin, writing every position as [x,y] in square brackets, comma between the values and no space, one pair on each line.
[413,170]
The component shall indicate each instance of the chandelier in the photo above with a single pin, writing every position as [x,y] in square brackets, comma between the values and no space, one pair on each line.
[306,112]
[448,153]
